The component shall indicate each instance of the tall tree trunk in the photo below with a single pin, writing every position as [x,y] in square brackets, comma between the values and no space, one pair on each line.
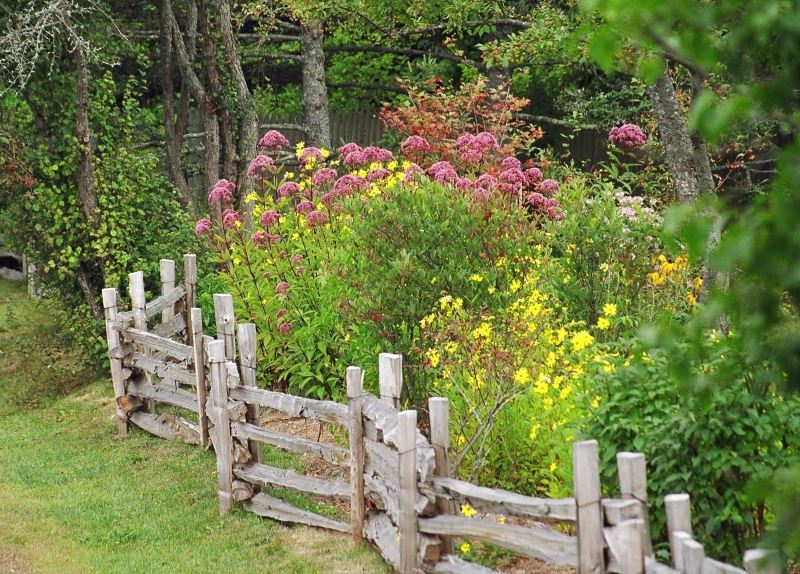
[172,138]
[315,93]
[248,119]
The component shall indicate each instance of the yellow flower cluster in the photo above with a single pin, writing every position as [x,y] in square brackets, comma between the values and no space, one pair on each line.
[668,271]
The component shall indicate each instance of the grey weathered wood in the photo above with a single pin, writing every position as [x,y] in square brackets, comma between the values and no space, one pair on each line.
[163,392]
[632,470]
[242,490]
[200,373]
[711,566]
[166,268]
[223,313]
[693,557]
[678,537]
[455,565]
[390,378]
[326,411]
[171,327]
[139,317]
[148,342]
[679,518]
[380,460]
[439,411]
[652,566]
[327,452]
[616,511]
[355,430]
[268,476]
[112,339]
[167,426]
[246,335]
[223,442]
[538,542]
[160,369]
[406,446]
[586,480]
[500,501]
[762,561]
[153,308]
[379,530]
[630,546]
[190,280]
[275,508]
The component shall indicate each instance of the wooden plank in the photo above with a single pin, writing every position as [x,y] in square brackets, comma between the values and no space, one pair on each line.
[679,519]
[406,448]
[223,313]
[223,442]
[112,339]
[651,566]
[170,328]
[762,561]
[158,304]
[500,501]
[246,334]
[693,557]
[586,481]
[200,374]
[190,282]
[160,369]
[679,537]
[151,342]
[355,430]
[616,511]
[711,566]
[163,393]
[540,542]
[630,546]
[380,460]
[439,411]
[390,378]
[632,471]
[328,452]
[270,507]
[379,530]
[167,426]
[138,302]
[455,565]
[166,269]
[268,476]
[326,411]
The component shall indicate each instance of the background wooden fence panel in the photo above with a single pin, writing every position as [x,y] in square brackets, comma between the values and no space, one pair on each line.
[402,497]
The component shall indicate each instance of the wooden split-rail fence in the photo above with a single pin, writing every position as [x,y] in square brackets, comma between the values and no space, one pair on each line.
[402,498]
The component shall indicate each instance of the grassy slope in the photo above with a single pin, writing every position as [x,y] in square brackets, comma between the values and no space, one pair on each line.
[76,498]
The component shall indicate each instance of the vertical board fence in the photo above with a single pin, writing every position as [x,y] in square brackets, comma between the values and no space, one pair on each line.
[401,496]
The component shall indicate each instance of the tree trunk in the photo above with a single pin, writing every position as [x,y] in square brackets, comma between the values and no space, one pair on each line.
[172,138]
[248,119]
[315,93]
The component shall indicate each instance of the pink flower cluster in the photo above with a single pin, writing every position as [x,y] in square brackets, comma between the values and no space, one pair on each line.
[221,192]
[310,153]
[548,206]
[415,145]
[230,217]
[202,227]
[261,167]
[316,218]
[270,218]
[265,239]
[288,188]
[443,172]
[627,136]
[323,176]
[273,141]
[473,148]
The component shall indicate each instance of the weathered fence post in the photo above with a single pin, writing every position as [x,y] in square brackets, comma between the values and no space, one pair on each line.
[439,411]
[693,556]
[223,313]
[586,480]
[246,333]
[223,443]
[390,378]
[138,303]
[190,279]
[113,340]
[630,545]
[407,454]
[355,405]
[679,519]
[167,270]
[195,329]
[761,561]
[632,470]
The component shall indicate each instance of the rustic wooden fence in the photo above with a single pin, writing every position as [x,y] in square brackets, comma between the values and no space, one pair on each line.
[401,495]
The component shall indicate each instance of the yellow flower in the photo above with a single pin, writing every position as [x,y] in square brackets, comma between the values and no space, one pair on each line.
[698,283]
[522,376]
[515,286]
[427,320]
[610,310]
[465,548]
[553,466]
[581,340]
[460,440]
[483,330]
[434,280]
[433,357]
[451,347]
[534,431]
[596,401]
[491,290]
[445,300]
[325,153]
[458,303]
[691,299]
[468,511]
[609,367]
[477,278]
[603,323]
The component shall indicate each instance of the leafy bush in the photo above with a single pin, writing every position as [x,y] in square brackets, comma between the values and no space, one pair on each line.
[710,444]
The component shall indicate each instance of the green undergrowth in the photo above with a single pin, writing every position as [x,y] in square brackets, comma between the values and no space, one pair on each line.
[76,498]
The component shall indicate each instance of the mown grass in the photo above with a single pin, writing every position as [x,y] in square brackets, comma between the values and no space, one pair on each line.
[74,497]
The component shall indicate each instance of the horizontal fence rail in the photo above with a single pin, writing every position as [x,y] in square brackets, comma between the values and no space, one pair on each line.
[396,480]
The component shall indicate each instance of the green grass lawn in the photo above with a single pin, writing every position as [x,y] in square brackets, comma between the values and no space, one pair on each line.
[74,497]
